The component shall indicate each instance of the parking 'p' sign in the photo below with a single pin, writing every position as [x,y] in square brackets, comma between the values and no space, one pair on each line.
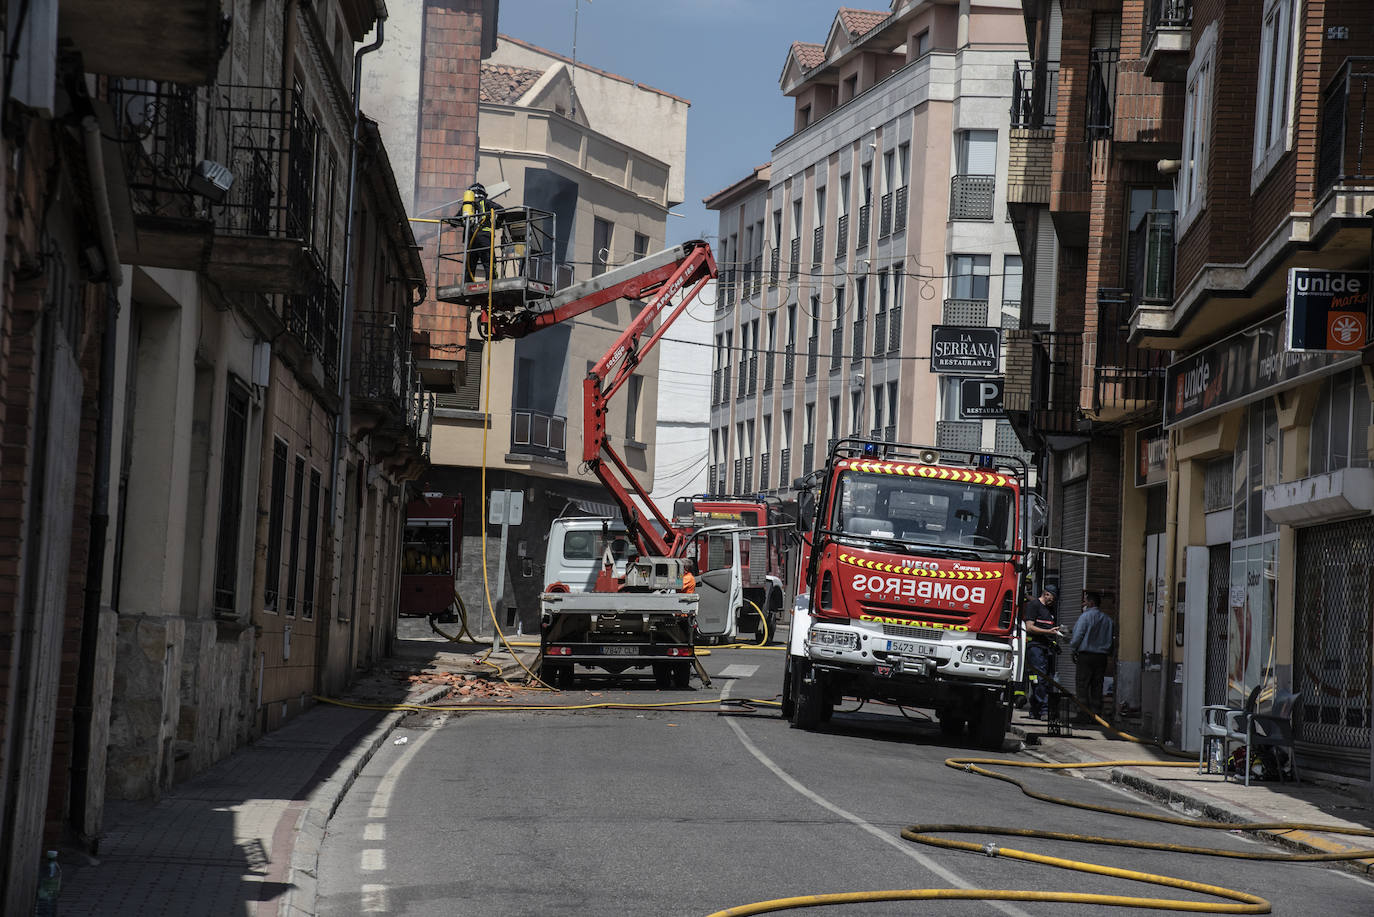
[980,398]
[1328,310]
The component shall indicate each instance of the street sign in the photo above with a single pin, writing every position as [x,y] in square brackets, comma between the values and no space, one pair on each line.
[979,398]
[506,507]
[1328,310]
[956,349]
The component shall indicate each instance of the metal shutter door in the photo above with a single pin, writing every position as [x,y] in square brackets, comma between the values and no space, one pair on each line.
[1072,572]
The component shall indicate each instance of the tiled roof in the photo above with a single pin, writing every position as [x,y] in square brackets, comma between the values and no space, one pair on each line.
[861,22]
[808,55]
[504,85]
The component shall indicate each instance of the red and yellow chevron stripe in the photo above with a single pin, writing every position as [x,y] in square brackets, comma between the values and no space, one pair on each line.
[939,472]
[854,561]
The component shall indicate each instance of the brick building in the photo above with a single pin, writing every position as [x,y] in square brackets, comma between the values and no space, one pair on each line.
[1199,153]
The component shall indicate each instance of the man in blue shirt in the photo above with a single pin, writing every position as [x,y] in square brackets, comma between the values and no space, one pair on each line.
[1092,644]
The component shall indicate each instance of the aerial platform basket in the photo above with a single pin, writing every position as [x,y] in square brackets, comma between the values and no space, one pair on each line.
[521,273]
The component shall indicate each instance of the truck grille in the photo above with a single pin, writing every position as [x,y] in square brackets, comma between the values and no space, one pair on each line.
[901,630]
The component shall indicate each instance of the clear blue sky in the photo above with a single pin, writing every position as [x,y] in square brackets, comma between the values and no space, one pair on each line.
[724,56]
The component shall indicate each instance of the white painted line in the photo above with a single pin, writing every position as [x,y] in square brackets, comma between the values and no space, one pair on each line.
[906,848]
[374,859]
[381,799]
[737,671]
[374,831]
[374,899]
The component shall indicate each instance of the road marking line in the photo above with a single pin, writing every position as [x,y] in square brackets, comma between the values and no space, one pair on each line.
[375,831]
[374,899]
[374,859]
[381,799]
[894,841]
[737,671]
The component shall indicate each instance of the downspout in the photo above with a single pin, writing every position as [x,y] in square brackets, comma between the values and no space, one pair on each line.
[83,712]
[349,287]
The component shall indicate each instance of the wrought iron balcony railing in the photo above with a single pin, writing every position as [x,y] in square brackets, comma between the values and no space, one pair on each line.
[1126,377]
[1345,152]
[836,347]
[1056,372]
[785,468]
[817,245]
[774,257]
[841,236]
[764,483]
[1150,258]
[894,331]
[743,381]
[890,433]
[715,386]
[1034,94]
[769,361]
[885,215]
[313,317]
[756,278]
[813,346]
[1102,68]
[753,374]
[794,265]
[880,333]
[1170,14]
[971,197]
[899,210]
[537,433]
[748,475]
[739,476]
[865,218]
[383,362]
[808,458]
[789,364]
[966,312]
[724,385]
[857,356]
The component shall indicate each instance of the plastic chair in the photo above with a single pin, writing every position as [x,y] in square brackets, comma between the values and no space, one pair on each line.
[1251,728]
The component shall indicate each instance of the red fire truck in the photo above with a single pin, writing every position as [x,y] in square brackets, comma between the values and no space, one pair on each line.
[913,567]
[431,553]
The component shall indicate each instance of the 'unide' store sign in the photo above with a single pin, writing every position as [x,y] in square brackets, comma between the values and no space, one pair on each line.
[1239,369]
[1328,310]
[955,349]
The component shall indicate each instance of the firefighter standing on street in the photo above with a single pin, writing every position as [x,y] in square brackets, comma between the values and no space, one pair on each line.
[689,578]
[1043,628]
[479,220]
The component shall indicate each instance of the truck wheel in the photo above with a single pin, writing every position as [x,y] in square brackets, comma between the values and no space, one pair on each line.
[682,675]
[989,728]
[810,697]
[663,675]
[951,724]
[789,703]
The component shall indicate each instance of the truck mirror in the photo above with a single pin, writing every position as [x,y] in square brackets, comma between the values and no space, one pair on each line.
[806,509]
[1039,515]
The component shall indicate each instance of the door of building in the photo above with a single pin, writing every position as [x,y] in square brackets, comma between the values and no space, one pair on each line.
[1071,572]
[1218,590]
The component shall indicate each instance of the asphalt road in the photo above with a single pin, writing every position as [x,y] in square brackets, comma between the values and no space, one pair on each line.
[654,812]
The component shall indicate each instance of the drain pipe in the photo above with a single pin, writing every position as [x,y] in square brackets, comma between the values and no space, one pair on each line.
[349,295]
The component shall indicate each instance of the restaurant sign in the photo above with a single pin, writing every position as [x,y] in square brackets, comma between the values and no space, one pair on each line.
[1241,368]
[956,349]
[1328,310]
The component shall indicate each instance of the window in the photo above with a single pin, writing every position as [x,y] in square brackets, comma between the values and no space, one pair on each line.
[792,325]
[820,207]
[641,245]
[949,397]
[767,442]
[231,498]
[856,412]
[866,181]
[1340,424]
[924,510]
[1011,280]
[1274,87]
[275,519]
[312,543]
[297,498]
[835,417]
[860,299]
[1197,124]
[903,164]
[810,422]
[977,154]
[796,219]
[633,390]
[922,44]
[787,429]
[842,205]
[888,160]
[897,285]
[601,245]
[804,117]
[851,88]
[969,276]
[878,405]
[747,446]
[880,302]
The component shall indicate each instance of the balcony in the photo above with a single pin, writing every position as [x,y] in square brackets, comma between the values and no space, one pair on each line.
[789,364]
[966,312]
[885,216]
[1035,95]
[748,476]
[1005,442]
[894,331]
[1126,379]
[808,458]
[726,287]
[763,472]
[865,215]
[773,259]
[857,357]
[813,345]
[313,318]
[794,266]
[252,237]
[1345,154]
[841,236]
[723,393]
[971,197]
[899,213]
[879,333]
[753,374]
[1150,259]
[175,40]
[743,381]
[890,433]
[739,477]
[1102,69]
[382,365]
[537,433]
[785,468]
[817,245]
[836,347]
[769,361]
[962,435]
[756,275]
[1056,374]
[716,375]
[1169,35]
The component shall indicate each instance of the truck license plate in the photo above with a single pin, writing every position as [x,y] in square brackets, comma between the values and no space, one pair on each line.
[907,648]
[620,651]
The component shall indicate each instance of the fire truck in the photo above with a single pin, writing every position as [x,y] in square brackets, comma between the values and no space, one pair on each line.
[913,565]
[431,553]
[635,615]
[765,554]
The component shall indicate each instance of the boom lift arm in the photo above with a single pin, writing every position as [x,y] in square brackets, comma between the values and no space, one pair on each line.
[683,269]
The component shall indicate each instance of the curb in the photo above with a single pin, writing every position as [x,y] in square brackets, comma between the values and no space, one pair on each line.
[1301,841]
[302,874]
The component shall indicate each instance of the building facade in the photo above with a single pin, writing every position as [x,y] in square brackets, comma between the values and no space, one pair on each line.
[882,216]
[1202,152]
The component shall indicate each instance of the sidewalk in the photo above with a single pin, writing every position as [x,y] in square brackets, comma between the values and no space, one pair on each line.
[1212,796]
[244,836]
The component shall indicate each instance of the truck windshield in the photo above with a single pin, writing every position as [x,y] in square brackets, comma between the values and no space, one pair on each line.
[924,510]
[591,545]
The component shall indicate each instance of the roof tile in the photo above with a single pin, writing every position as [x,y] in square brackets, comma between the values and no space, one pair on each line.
[861,22]
[504,84]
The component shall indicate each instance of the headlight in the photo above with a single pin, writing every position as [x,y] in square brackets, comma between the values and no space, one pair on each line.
[839,639]
[980,656]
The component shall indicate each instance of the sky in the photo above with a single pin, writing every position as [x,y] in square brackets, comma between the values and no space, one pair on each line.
[724,56]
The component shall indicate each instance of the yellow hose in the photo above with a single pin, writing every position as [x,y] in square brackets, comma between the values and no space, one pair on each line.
[753,646]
